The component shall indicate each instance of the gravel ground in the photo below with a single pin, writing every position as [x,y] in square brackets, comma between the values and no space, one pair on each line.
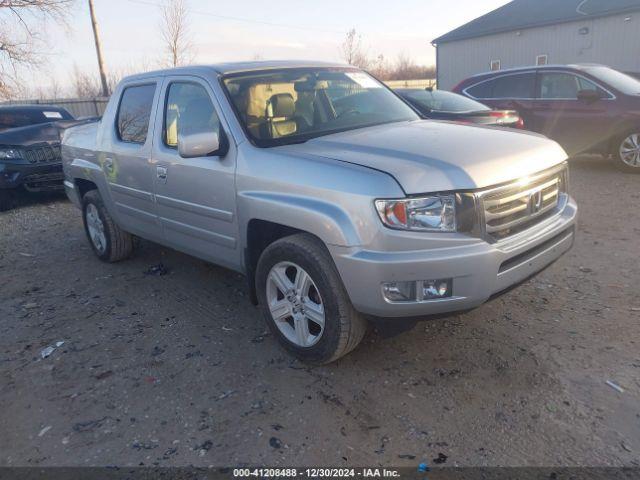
[178,369]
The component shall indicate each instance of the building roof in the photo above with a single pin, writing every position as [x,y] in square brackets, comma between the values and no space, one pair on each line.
[521,14]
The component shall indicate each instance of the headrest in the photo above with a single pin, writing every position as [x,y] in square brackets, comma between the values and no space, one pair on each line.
[281,105]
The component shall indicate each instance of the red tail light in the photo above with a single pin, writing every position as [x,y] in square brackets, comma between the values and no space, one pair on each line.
[520,123]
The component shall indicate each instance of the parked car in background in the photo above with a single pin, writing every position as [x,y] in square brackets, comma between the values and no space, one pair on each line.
[585,108]
[443,105]
[324,188]
[30,149]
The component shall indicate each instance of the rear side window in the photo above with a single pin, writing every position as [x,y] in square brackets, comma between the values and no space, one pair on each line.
[514,86]
[481,90]
[519,86]
[134,113]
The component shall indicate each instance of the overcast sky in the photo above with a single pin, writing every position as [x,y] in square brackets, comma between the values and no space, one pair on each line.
[242,29]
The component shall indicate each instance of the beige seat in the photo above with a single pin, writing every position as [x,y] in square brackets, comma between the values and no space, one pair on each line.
[280,112]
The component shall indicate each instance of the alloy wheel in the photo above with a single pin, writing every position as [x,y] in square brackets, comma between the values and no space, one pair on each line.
[295,304]
[95,228]
[630,150]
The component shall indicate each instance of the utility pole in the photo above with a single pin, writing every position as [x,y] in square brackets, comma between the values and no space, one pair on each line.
[96,37]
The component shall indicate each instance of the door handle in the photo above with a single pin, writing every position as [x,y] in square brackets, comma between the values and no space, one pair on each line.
[161,172]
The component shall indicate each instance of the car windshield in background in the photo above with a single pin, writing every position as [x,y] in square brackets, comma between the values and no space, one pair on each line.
[23,117]
[618,80]
[441,101]
[278,107]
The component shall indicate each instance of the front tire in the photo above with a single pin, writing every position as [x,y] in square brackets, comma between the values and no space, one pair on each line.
[626,151]
[6,200]
[304,301]
[109,242]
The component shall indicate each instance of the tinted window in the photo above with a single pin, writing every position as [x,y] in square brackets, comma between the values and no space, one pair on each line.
[441,101]
[189,110]
[481,90]
[134,113]
[514,86]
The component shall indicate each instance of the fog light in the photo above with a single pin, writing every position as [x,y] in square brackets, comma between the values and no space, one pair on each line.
[399,291]
[432,289]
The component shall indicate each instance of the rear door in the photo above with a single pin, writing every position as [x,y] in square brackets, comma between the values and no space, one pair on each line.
[578,125]
[195,196]
[127,158]
[511,91]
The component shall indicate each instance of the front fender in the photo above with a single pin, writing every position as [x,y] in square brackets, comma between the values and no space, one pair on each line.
[325,220]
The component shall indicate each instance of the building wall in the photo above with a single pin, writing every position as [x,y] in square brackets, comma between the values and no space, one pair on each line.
[613,41]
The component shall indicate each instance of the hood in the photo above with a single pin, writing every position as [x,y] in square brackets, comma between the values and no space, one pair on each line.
[31,134]
[432,156]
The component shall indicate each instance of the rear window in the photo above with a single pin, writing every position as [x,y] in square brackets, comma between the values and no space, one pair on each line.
[134,113]
[441,101]
[520,86]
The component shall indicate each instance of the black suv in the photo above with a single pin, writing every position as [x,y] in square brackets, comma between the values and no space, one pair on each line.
[30,149]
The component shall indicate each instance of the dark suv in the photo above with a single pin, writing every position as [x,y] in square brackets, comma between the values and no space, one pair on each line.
[585,108]
[30,149]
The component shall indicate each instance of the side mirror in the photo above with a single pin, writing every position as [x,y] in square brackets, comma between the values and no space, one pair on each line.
[202,144]
[589,95]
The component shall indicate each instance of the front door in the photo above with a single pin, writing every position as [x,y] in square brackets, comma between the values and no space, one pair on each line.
[576,124]
[126,160]
[195,197]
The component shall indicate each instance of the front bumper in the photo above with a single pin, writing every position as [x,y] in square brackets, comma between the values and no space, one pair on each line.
[479,270]
[34,177]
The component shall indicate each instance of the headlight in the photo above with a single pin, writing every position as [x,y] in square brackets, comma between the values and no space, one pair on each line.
[9,153]
[436,213]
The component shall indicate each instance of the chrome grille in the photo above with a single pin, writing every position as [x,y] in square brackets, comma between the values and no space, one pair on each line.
[42,154]
[510,209]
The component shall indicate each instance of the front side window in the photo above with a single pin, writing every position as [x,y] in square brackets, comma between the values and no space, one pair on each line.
[293,105]
[188,110]
[134,113]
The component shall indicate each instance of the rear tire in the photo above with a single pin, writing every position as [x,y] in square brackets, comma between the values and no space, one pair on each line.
[329,335]
[109,242]
[626,151]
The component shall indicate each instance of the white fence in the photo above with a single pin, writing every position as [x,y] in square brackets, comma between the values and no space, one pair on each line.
[78,107]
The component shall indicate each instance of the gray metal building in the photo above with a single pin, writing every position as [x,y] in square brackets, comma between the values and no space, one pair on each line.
[538,32]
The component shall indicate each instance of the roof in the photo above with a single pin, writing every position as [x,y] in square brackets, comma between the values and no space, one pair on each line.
[571,66]
[234,67]
[521,14]
[30,107]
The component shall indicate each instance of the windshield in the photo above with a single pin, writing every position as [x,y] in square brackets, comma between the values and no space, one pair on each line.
[278,107]
[618,80]
[14,118]
[440,101]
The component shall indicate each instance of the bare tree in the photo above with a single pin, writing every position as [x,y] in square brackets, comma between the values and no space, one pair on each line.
[174,28]
[352,50]
[19,38]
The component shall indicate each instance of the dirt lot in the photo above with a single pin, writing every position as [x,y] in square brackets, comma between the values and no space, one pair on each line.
[178,369]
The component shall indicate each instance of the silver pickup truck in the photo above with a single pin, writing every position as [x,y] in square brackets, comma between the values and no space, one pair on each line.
[334,198]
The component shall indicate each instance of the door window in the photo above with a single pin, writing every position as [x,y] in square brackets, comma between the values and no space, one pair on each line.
[134,113]
[559,86]
[514,86]
[517,86]
[188,110]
